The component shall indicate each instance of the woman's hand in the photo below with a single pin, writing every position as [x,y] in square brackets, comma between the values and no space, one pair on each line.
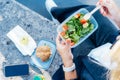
[66,55]
[64,51]
[109,9]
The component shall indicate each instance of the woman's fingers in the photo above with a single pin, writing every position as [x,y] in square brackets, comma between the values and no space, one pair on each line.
[118,37]
[63,43]
[105,11]
[100,0]
[97,4]
[59,41]
[108,1]
[102,10]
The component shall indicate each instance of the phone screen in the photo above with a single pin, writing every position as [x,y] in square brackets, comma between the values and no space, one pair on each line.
[16,70]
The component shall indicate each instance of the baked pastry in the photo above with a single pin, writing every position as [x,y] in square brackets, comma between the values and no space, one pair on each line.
[43,52]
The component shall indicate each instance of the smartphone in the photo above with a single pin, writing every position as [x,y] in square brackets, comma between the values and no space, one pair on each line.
[16,70]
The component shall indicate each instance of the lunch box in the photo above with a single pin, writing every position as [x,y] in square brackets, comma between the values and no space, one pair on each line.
[92,20]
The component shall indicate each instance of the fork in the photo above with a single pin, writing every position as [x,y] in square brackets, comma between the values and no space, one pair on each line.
[88,15]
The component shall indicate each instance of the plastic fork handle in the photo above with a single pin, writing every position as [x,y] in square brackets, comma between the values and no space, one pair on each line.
[94,10]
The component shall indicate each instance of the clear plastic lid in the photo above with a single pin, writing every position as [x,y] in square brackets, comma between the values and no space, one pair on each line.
[92,20]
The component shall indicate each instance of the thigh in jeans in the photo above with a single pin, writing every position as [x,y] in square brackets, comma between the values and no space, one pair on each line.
[106,32]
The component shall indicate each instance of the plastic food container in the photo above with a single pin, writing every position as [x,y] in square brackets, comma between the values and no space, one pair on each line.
[37,61]
[39,77]
[27,46]
[92,20]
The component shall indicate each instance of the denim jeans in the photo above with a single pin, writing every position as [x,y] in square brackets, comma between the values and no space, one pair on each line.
[106,32]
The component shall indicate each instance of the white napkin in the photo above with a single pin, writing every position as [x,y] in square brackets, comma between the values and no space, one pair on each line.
[16,35]
[101,54]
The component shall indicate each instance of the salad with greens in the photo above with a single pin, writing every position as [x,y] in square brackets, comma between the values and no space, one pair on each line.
[76,28]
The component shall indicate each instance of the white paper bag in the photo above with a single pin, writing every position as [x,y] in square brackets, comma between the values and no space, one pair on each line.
[101,54]
[23,41]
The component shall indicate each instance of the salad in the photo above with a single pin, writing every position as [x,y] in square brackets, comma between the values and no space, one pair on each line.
[76,28]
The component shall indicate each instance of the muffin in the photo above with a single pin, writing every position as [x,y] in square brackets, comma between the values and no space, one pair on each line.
[43,52]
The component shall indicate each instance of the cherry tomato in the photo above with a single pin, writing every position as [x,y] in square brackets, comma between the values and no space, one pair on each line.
[77,15]
[65,27]
[82,21]
[62,33]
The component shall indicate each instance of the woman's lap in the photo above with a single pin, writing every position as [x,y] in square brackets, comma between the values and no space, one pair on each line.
[106,31]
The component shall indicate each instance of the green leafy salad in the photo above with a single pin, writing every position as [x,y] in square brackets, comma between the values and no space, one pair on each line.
[76,28]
